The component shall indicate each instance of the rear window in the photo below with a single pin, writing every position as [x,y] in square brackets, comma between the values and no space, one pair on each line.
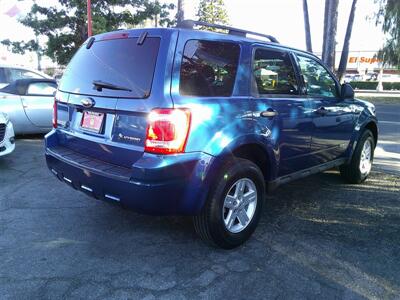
[208,68]
[119,62]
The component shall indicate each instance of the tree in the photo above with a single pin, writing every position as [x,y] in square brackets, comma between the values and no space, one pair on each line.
[66,25]
[346,43]
[307,26]
[388,17]
[330,26]
[180,16]
[213,11]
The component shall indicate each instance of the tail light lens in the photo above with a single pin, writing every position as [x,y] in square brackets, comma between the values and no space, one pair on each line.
[55,114]
[168,130]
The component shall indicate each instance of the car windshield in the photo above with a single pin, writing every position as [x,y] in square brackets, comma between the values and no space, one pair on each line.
[124,68]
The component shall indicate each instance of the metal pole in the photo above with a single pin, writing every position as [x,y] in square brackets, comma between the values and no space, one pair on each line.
[89,18]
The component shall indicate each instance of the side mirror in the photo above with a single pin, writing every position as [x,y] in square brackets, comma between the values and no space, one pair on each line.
[347,91]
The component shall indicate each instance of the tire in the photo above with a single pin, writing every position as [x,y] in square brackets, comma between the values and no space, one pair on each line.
[210,224]
[354,172]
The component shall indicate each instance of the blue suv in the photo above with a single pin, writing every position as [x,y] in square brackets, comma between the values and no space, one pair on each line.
[192,122]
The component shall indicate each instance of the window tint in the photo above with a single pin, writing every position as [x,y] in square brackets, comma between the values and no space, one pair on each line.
[317,80]
[208,68]
[120,62]
[16,74]
[41,88]
[273,73]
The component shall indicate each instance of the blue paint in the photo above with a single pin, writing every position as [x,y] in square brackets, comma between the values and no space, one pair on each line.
[296,139]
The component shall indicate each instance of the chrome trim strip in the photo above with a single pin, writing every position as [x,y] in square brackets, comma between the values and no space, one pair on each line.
[112,197]
[86,188]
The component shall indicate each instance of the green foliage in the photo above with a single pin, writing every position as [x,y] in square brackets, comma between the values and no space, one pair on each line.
[388,17]
[66,25]
[213,11]
[21,47]
[371,85]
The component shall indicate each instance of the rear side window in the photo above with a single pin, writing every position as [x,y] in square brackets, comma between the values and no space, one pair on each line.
[42,88]
[317,80]
[208,68]
[16,74]
[121,63]
[273,73]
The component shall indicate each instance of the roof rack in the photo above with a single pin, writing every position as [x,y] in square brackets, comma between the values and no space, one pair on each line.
[189,24]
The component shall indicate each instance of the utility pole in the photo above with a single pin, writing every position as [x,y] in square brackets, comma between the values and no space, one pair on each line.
[89,18]
[181,11]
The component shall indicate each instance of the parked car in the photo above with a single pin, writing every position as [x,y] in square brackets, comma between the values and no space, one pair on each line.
[8,74]
[29,104]
[191,122]
[7,141]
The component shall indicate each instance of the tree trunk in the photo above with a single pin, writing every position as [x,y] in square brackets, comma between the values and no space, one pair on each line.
[181,11]
[307,26]
[330,26]
[346,43]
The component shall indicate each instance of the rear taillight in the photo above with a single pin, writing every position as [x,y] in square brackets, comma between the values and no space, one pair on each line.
[55,114]
[168,130]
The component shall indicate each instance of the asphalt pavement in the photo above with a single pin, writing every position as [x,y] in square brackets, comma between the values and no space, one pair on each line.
[319,238]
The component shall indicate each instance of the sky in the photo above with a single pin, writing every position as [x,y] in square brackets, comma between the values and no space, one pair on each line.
[280,18]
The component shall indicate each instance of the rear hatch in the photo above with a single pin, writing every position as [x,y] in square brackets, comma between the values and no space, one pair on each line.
[107,91]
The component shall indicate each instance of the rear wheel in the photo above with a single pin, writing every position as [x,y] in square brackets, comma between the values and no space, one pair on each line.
[234,205]
[361,163]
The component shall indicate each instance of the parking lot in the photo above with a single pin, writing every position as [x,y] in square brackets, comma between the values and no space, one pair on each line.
[318,237]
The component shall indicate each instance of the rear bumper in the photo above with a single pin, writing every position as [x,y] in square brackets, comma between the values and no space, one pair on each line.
[7,144]
[162,185]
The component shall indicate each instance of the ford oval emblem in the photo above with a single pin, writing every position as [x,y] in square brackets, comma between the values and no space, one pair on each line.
[88,102]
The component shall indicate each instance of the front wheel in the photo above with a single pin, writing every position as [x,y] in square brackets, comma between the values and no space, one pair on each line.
[361,163]
[233,209]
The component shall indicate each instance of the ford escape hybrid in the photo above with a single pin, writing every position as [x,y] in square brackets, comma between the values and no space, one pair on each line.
[189,122]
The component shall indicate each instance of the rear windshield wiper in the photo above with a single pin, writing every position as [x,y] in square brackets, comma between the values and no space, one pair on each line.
[100,85]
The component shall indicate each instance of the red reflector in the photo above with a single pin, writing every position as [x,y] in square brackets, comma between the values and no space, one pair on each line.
[55,114]
[167,130]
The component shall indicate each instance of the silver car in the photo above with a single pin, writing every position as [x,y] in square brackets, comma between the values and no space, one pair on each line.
[29,104]
[9,74]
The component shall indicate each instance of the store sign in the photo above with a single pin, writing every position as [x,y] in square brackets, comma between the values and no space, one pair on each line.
[363,59]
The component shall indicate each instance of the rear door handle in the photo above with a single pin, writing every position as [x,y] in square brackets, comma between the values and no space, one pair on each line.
[269,113]
[321,111]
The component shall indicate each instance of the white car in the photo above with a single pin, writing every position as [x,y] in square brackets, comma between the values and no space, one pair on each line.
[7,140]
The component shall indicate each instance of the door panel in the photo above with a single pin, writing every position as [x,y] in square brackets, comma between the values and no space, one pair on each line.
[38,102]
[332,117]
[333,123]
[275,87]
[291,128]
[12,106]
[39,109]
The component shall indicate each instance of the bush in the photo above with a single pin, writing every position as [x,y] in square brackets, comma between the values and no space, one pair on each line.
[364,85]
[391,86]
[371,85]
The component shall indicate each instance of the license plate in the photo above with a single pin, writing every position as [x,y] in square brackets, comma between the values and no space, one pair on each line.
[92,121]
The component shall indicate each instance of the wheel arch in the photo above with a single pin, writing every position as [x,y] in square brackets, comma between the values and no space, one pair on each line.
[374,129]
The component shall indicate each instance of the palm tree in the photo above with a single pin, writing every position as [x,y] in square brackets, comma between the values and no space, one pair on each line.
[181,13]
[330,26]
[346,43]
[307,26]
